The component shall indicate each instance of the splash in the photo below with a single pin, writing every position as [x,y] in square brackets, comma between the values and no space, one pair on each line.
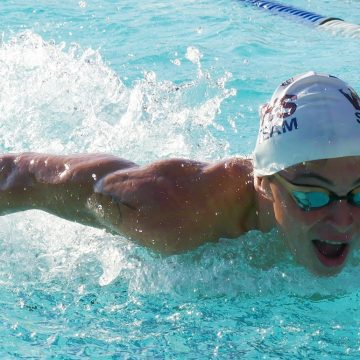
[256,264]
[64,99]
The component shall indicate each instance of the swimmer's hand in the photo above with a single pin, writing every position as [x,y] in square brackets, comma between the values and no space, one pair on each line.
[170,206]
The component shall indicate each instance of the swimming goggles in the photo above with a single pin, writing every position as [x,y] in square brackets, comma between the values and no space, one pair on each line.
[312,198]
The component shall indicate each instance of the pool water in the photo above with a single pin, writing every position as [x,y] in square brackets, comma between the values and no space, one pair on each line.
[146,81]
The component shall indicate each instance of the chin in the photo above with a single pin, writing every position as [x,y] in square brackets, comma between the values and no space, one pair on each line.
[326,272]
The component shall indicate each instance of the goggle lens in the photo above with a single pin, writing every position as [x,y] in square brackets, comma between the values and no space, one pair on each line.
[355,199]
[313,197]
[312,200]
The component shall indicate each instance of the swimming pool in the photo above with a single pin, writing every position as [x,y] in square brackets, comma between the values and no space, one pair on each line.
[145,81]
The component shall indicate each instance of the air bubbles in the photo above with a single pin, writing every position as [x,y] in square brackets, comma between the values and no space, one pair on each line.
[193,54]
[150,76]
[176,62]
[222,80]
[81,289]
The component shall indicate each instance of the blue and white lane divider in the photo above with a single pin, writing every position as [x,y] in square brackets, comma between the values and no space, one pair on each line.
[335,25]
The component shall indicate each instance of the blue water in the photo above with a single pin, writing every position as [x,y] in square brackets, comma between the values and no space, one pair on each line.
[145,81]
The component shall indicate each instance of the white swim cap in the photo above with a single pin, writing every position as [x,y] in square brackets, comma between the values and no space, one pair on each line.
[310,117]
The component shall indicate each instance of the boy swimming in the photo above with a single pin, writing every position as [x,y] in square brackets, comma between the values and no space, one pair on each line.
[304,179]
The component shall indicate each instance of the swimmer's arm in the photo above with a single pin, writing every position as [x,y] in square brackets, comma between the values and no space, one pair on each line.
[170,206]
[60,185]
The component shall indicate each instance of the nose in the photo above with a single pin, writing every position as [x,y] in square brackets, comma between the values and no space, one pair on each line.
[340,216]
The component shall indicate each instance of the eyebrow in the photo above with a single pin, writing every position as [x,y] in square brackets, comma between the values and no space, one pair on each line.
[321,178]
[313,176]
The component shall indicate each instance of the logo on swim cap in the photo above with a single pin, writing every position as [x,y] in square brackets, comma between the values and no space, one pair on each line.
[273,117]
[353,97]
[279,108]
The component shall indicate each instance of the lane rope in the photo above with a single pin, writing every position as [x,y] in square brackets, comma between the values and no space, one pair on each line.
[336,25]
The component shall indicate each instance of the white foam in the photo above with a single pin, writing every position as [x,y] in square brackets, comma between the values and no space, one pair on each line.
[68,100]
[64,99]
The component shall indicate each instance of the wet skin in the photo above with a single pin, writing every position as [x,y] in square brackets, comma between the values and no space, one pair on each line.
[336,223]
[170,206]
[176,205]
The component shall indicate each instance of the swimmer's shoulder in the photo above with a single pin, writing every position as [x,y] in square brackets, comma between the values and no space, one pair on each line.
[222,191]
[237,166]
[185,178]
[181,200]
[233,189]
[236,174]
[227,181]
[225,176]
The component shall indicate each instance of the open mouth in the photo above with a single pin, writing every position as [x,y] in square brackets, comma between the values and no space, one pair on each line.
[331,253]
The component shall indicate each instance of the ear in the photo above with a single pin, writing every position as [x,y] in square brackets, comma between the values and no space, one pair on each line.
[262,186]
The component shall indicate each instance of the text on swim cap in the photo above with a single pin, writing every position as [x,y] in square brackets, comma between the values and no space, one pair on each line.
[268,132]
[279,108]
[353,97]
[358,117]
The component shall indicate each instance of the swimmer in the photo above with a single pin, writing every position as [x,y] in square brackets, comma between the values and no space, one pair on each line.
[304,179]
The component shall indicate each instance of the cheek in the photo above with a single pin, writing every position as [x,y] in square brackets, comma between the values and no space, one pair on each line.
[284,207]
[294,225]
[289,215]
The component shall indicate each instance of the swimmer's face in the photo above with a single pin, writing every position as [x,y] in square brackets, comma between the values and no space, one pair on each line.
[321,238]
